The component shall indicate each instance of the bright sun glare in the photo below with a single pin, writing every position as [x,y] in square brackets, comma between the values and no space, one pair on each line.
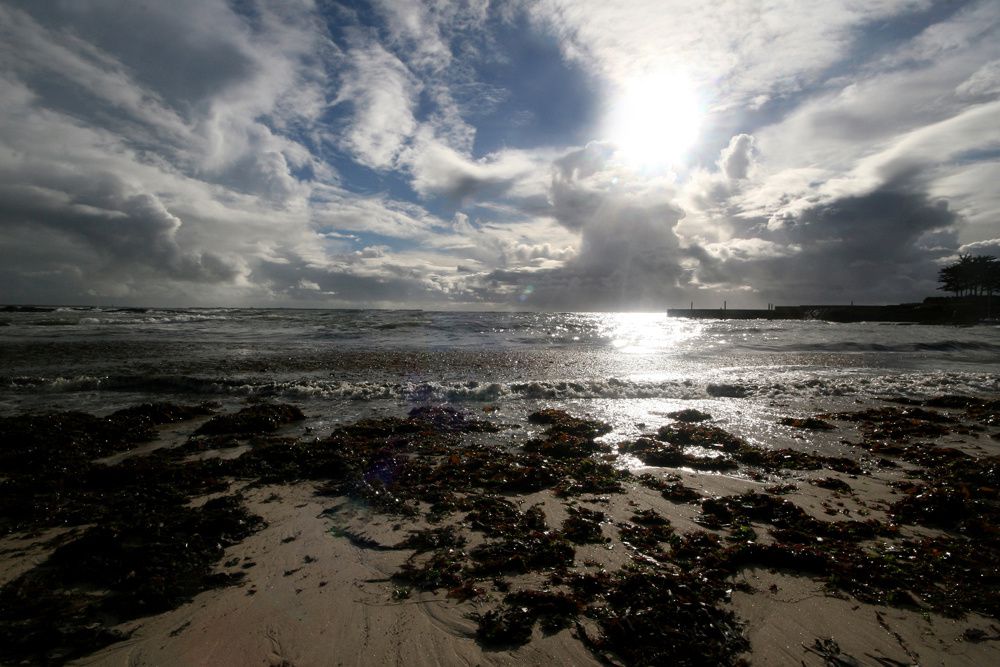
[655,120]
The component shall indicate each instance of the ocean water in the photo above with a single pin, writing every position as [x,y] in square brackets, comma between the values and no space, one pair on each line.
[339,365]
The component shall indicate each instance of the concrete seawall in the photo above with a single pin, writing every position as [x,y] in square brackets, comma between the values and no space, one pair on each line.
[931,311]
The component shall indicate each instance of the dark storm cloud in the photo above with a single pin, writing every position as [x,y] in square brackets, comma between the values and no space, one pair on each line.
[354,278]
[884,243]
[185,50]
[143,144]
[126,231]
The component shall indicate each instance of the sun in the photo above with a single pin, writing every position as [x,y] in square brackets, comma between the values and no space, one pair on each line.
[655,120]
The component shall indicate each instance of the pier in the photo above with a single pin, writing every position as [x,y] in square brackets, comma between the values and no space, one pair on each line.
[933,310]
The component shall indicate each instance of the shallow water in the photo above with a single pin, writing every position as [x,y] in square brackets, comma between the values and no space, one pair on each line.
[627,368]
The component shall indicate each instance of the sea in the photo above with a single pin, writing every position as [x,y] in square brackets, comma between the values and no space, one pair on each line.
[630,369]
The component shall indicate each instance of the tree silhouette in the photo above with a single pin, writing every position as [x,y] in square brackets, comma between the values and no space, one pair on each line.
[971,276]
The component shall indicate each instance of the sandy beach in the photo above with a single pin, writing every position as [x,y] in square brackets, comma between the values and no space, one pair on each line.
[544,332]
[169,534]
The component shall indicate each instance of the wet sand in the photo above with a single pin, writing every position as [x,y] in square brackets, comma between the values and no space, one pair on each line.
[448,538]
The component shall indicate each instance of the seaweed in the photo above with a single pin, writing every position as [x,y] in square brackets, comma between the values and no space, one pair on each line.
[689,415]
[447,418]
[791,459]
[665,606]
[565,445]
[133,564]
[555,611]
[667,618]
[445,568]
[647,532]
[498,517]
[583,526]
[655,453]
[56,444]
[670,487]
[431,539]
[522,554]
[560,421]
[833,484]
[808,423]
[674,444]
[792,522]
[513,624]
[259,418]
[590,476]
[510,626]
[700,435]
[897,424]
[281,460]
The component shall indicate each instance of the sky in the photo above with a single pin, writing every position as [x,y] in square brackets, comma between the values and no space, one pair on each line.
[550,155]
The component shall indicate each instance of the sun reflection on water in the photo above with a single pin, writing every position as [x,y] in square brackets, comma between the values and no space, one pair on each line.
[646,333]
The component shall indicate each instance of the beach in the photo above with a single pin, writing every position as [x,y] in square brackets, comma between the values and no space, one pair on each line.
[220,487]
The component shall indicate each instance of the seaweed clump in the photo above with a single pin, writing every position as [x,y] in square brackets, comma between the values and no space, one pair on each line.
[520,554]
[513,624]
[898,424]
[660,617]
[808,423]
[583,526]
[134,564]
[259,418]
[447,418]
[689,415]
[567,436]
[670,487]
[671,455]
[646,532]
[499,517]
[952,574]
[702,447]
[51,479]
[560,421]
[54,444]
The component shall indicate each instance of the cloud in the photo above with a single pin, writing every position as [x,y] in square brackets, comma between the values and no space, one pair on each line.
[881,246]
[971,189]
[445,153]
[381,92]
[333,209]
[413,26]
[737,157]
[423,31]
[983,84]
[986,247]
[438,169]
[629,255]
[143,187]
[742,50]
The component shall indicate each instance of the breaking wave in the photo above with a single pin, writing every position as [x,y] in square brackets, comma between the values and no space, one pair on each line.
[783,386]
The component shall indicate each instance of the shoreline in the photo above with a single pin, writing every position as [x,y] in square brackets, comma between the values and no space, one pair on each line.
[446,536]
